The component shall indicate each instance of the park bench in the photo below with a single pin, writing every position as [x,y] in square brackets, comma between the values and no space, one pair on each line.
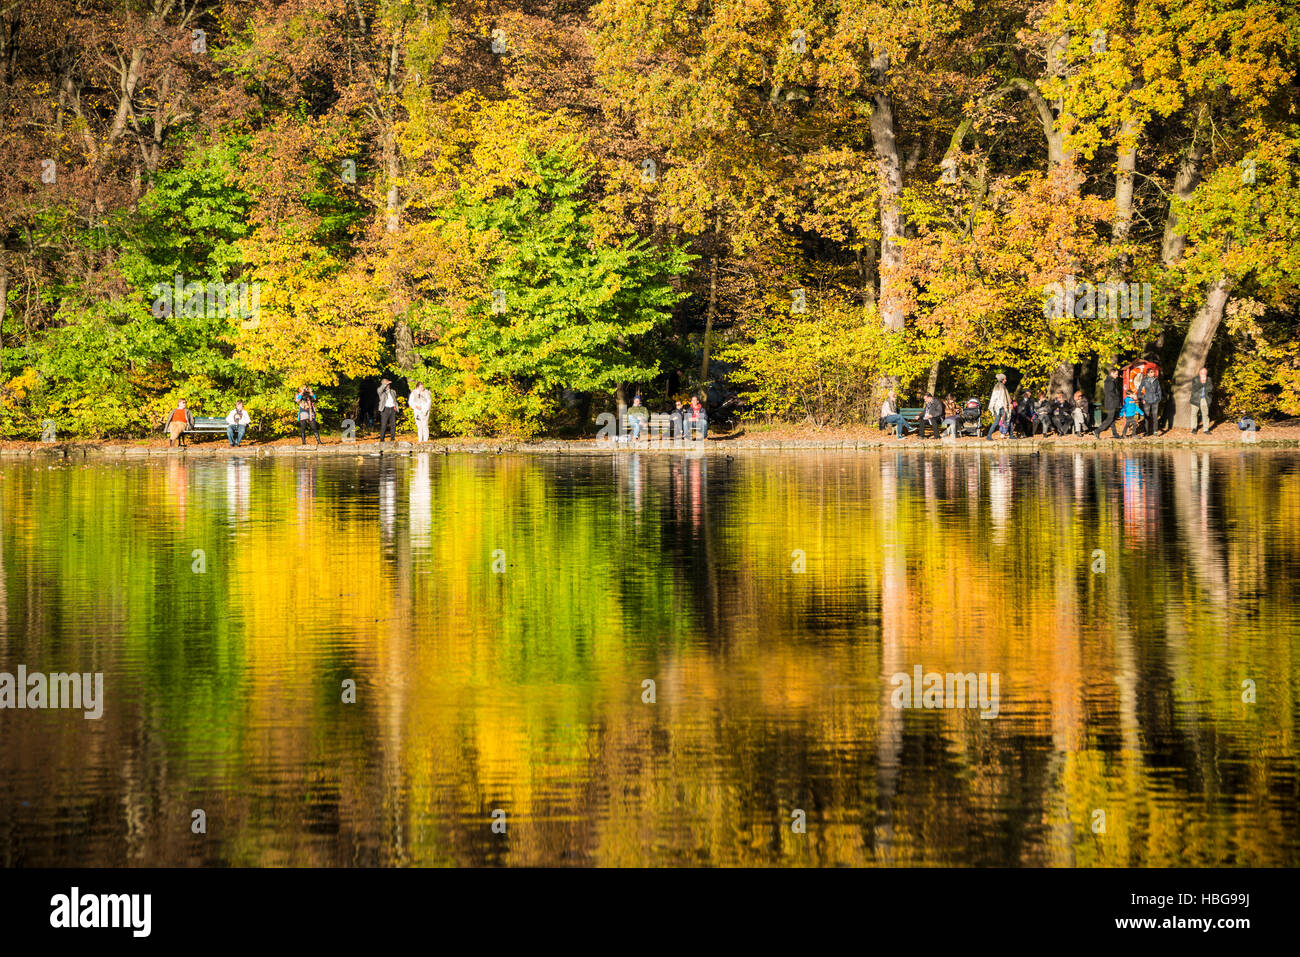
[207,424]
[658,426]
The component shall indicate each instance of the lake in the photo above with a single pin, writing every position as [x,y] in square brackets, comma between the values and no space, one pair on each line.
[656,659]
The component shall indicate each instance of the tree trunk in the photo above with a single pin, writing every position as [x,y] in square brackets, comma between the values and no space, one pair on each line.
[1185,181]
[403,341]
[1196,348]
[867,268]
[1056,153]
[1125,168]
[892,224]
[1063,379]
[713,305]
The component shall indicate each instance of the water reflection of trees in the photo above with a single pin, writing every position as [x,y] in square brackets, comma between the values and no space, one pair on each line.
[521,690]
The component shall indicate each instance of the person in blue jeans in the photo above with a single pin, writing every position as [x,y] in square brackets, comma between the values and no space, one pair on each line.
[237,423]
[637,417]
[889,415]
[697,419]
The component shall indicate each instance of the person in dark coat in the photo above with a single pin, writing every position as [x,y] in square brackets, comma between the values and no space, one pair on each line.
[1149,396]
[1112,399]
[1202,391]
[1062,420]
[387,410]
[1042,413]
[932,416]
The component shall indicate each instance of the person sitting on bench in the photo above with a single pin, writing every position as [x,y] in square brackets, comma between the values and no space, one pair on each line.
[1081,413]
[237,423]
[177,421]
[932,416]
[697,419]
[951,416]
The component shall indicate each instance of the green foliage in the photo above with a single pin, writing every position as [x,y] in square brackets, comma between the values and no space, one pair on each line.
[558,305]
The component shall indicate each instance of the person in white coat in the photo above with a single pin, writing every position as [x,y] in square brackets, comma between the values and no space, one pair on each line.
[421,401]
[1000,407]
[237,423]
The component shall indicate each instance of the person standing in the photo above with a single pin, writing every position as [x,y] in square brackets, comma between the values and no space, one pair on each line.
[421,401]
[237,423]
[306,400]
[387,410]
[1132,404]
[1000,407]
[1112,398]
[176,423]
[1149,397]
[1202,390]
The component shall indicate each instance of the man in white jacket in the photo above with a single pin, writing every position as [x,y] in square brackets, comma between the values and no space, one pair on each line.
[237,423]
[421,401]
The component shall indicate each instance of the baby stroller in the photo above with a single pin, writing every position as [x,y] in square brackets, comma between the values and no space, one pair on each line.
[968,423]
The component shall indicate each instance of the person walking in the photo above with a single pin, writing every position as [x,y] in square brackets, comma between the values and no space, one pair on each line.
[1112,399]
[1149,397]
[421,401]
[237,423]
[177,421]
[387,410]
[306,400]
[1202,390]
[1000,407]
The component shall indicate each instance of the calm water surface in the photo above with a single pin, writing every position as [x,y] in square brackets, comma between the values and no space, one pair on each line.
[500,616]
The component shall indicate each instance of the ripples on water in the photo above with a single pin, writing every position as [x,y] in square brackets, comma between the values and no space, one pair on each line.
[1121,690]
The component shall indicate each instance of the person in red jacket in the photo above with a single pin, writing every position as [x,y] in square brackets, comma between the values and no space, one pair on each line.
[697,419]
[177,421]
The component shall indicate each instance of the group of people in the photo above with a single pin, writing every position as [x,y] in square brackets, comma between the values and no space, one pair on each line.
[1030,415]
[180,420]
[684,421]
